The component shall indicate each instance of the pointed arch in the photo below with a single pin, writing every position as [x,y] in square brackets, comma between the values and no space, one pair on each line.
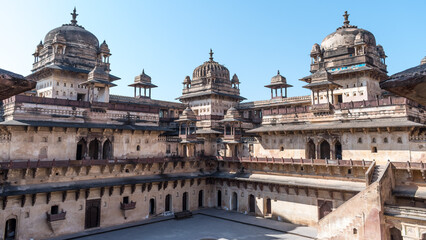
[107,150]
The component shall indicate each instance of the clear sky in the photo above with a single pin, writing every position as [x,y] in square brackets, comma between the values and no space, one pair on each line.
[251,38]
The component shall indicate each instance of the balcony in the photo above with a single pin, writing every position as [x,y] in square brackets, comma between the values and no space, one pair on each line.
[321,108]
[234,138]
[128,206]
[56,217]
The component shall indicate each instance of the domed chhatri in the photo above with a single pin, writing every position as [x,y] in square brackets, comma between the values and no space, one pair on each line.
[71,45]
[278,82]
[348,42]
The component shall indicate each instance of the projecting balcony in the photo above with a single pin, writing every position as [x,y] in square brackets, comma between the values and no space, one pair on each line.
[56,217]
[190,137]
[321,108]
[128,206]
[232,138]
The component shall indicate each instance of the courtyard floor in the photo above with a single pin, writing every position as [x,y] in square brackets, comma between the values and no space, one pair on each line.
[206,224]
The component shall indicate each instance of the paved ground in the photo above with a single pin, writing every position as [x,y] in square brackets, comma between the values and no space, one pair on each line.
[209,224]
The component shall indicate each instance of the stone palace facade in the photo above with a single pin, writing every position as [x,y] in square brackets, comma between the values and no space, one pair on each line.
[347,159]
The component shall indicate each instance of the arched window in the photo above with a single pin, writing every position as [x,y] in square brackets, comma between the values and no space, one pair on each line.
[81,149]
[373,140]
[151,206]
[138,148]
[359,140]
[252,204]
[107,150]
[385,140]
[399,140]
[94,149]
[185,201]
[338,150]
[201,198]
[310,150]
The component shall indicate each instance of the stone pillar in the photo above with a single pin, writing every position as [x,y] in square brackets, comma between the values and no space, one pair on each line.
[272,93]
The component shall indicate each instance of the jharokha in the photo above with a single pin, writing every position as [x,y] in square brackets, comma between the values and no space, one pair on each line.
[345,159]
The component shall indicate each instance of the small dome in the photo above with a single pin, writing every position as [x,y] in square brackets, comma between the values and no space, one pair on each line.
[232,113]
[210,69]
[187,80]
[423,61]
[104,47]
[143,77]
[98,73]
[278,78]
[188,115]
[235,79]
[315,49]
[380,51]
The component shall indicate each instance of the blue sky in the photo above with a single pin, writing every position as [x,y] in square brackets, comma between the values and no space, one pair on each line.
[251,38]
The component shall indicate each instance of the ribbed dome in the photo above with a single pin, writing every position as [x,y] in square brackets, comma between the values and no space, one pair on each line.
[73,34]
[345,37]
[210,69]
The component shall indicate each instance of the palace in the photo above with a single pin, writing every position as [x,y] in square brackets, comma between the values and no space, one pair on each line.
[348,159]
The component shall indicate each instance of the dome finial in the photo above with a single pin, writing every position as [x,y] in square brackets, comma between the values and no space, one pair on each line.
[278,72]
[211,55]
[346,16]
[74,17]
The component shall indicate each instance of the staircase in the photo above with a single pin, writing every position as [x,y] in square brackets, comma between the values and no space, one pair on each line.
[378,170]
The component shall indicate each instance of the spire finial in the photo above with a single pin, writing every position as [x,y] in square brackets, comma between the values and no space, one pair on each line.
[143,71]
[74,17]
[278,72]
[346,16]
[211,55]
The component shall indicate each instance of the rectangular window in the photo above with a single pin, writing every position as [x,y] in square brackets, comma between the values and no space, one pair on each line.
[125,200]
[54,209]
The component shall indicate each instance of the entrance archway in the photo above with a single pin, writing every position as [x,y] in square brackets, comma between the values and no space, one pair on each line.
[168,203]
[201,198]
[324,150]
[94,149]
[325,207]
[252,204]
[234,202]
[81,149]
[10,229]
[219,198]
[310,150]
[338,150]
[185,201]
[395,234]
[151,206]
[107,150]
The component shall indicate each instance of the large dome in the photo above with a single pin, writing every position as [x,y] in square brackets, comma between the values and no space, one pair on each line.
[344,37]
[210,69]
[73,34]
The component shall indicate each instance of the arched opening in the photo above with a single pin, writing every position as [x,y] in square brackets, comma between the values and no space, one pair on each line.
[395,234]
[252,204]
[324,150]
[81,149]
[228,130]
[338,150]
[10,229]
[151,206]
[234,202]
[268,206]
[424,236]
[94,149]
[185,201]
[168,203]
[310,150]
[201,198]
[107,150]
[219,198]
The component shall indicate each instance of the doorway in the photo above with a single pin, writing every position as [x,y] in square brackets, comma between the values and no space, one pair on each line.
[94,149]
[93,213]
[310,149]
[234,202]
[185,201]
[81,149]
[168,203]
[395,234]
[10,229]
[219,198]
[252,204]
[338,150]
[151,206]
[268,206]
[200,199]
[324,207]
[107,150]
[324,150]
